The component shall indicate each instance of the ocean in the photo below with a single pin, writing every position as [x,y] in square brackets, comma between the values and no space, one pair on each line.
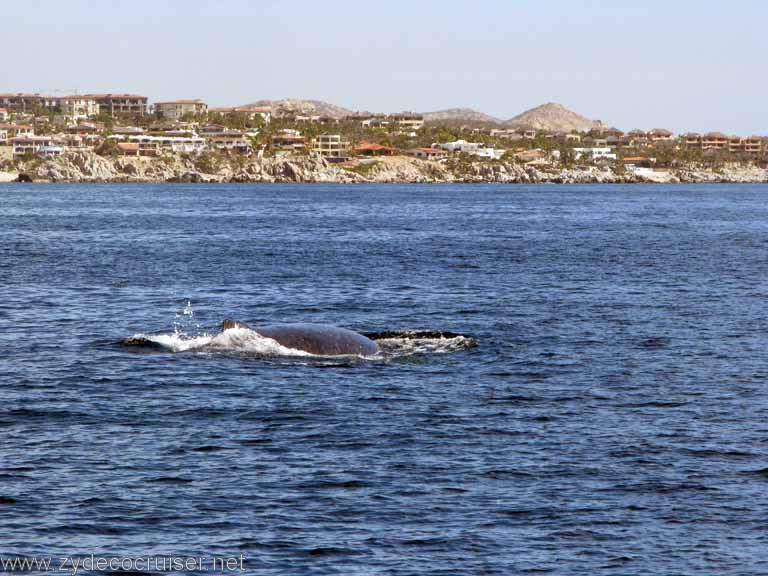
[574,381]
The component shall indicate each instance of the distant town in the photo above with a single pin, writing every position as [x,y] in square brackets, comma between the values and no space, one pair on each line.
[128,125]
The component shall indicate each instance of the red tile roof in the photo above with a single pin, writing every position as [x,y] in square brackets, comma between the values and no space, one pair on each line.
[180,102]
[372,147]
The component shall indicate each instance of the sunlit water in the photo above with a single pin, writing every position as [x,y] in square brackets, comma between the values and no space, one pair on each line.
[572,379]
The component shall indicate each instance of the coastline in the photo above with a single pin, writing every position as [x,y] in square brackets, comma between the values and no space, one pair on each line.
[86,166]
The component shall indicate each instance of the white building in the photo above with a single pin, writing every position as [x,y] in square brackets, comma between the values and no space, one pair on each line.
[154,145]
[473,148]
[594,153]
[3,115]
[38,145]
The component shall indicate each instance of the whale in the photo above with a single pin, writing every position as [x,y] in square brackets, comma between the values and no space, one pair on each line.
[318,339]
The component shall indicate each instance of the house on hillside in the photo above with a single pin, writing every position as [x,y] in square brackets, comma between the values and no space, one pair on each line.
[332,147]
[372,149]
[176,109]
[37,145]
[429,153]
[594,153]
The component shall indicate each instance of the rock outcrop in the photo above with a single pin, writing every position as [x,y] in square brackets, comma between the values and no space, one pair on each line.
[86,166]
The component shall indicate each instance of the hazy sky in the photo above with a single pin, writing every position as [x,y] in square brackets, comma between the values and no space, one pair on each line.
[679,64]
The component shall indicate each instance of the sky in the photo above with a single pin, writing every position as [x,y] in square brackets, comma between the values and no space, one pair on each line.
[685,65]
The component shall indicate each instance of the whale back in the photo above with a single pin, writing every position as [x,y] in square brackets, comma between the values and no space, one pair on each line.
[319,339]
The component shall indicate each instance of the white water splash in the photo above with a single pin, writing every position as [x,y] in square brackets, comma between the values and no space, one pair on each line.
[184,322]
[408,346]
[234,340]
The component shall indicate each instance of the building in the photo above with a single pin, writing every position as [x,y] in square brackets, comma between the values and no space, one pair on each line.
[660,135]
[751,145]
[128,148]
[374,121]
[249,112]
[176,109]
[530,155]
[78,107]
[594,153]
[37,145]
[115,105]
[154,145]
[691,140]
[21,102]
[459,146]
[372,149]
[429,153]
[16,130]
[230,142]
[289,140]
[505,133]
[331,146]
[4,115]
[408,121]
[631,162]
[714,141]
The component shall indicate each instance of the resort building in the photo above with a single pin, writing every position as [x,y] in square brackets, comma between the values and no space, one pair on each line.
[660,135]
[176,109]
[751,145]
[429,153]
[78,107]
[714,141]
[38,145]
[691,140]
[154,145]
[331,146]
[115,105]
[28,102]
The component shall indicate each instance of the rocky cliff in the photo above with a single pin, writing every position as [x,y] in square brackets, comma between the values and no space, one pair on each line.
[86,166]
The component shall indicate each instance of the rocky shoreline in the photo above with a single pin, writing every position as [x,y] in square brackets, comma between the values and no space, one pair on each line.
[86,166]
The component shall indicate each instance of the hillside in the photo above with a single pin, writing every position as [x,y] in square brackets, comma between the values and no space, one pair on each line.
[306,106]
[460,114]
[553,117]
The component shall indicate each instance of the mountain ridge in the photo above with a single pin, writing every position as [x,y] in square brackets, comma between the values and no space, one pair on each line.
[549,116]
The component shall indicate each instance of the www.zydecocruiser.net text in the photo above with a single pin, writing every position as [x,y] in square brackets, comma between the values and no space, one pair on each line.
[74,565]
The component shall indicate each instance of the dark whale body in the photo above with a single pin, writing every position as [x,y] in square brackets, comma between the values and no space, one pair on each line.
[319,339]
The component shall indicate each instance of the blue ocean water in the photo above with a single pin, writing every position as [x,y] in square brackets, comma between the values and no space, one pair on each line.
[612,419]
